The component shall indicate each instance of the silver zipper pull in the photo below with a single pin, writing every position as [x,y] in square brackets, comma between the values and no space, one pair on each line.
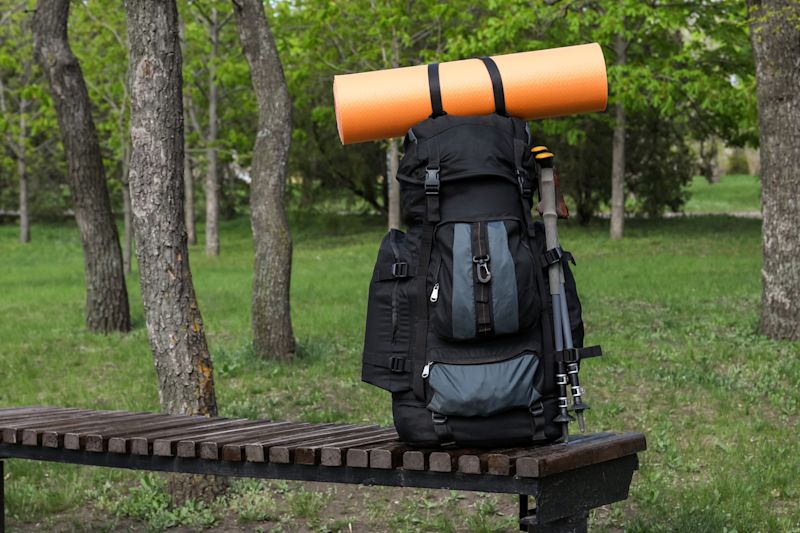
[427,370]
[435,293]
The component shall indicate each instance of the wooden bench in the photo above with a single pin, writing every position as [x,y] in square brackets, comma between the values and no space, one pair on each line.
[566,480]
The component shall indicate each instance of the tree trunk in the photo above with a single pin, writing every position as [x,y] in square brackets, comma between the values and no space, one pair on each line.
[271,319]
[212,172]
[174,323]
[22,172]
[106,294]
[392,162]
[127,228]
[618,155]
[753,161]
[127,224]
[709,160]
[188,194]
[776,47]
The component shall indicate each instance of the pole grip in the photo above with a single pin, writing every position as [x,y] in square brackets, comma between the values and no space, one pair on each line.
[547,190]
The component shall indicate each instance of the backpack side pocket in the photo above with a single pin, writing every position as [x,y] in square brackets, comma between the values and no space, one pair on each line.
[389,319]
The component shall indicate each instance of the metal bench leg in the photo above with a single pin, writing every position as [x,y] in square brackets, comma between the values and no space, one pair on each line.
[523,511]
[2,499]
[571,524]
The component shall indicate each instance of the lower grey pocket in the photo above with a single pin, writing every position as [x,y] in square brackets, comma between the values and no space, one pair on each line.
[483,389]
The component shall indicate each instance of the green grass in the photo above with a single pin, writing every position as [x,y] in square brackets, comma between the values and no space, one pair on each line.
[675,306]
[732,193]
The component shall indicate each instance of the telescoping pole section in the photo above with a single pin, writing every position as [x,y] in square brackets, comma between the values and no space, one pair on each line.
[567,357]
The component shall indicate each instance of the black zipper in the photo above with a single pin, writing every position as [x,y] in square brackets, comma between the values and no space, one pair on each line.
[434,295]
[483,361]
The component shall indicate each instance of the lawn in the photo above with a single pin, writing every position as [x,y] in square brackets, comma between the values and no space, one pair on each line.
[735,193]
[675,306]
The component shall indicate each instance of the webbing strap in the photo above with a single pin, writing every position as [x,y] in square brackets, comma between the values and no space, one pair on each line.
[523,182]
[432,182]
[575,355]
[436,91]
[443,431]
[497,85]
[394,363]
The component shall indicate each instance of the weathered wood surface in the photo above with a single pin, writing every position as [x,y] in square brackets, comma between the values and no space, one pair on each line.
[299,443]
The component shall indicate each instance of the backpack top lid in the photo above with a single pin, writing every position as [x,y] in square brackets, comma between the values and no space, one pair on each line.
[488,145]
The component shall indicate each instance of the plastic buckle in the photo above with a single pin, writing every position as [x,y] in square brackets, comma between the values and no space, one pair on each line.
[438,418]
[571,355]
[553,255]
[400,270]
[522,180]
[537,409]
[397,364]
[431,181]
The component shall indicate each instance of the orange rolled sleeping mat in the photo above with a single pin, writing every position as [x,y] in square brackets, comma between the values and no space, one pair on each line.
[539,84]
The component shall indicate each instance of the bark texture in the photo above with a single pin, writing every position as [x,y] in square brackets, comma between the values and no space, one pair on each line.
[212,172]
[106,293]
[775,33]
[392,162]
[22,172]
[188,193]
[271,319]
[618,156]
[127,229]
[127,217]
[174,324]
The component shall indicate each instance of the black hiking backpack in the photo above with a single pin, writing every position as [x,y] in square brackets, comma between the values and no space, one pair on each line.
[458,320]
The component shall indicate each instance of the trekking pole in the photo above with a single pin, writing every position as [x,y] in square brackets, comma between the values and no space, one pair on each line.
[556,277]
[547,192]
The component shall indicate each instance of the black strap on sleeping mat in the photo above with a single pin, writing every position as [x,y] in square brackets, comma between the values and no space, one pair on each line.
[436,91]
[497,85]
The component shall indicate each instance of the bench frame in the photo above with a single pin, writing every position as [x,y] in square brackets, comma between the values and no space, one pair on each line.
[562,500]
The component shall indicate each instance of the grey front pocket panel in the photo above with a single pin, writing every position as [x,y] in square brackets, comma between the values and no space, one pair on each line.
[483,389]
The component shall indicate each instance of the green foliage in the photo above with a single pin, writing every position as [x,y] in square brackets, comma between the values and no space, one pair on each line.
[688,75]
[28,128]
[675,307]
[732,193]
[150,504]
[251,501]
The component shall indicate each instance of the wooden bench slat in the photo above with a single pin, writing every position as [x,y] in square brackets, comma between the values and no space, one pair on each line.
[7,415]
[97,441]
[53,435]
[190,447]
[284,453]
[141,442]
[234,450]
[75,438]
[167,446]
[13,429]
[309,453]
[358,456]
[503,462]
[258,452]
[580,453]
[448,460]
[416,459]
[211,449]
[336,454]
[388,456]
